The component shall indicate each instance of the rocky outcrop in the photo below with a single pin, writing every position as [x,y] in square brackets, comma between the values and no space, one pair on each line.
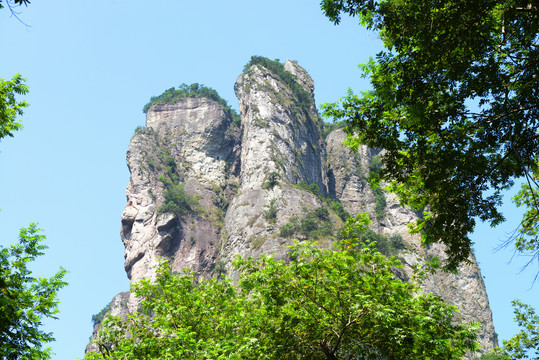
[249,183]
[118,306]
[280,138]
[192,141]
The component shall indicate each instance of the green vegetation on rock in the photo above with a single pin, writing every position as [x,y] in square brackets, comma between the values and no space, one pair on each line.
[387,245]
[335,205]
[192,91]
[379,196]
[270,214]
[177,201]
[338,207]
[313,224]
[98,318]
[272,179]
[303,97]
[327,128]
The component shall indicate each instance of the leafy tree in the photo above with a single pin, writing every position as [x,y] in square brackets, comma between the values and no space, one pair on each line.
[454,103]
[17,2]
[527,340]
[10,3]
[25,301]
[98,318]
[10,108]
[524,343]
[344,303]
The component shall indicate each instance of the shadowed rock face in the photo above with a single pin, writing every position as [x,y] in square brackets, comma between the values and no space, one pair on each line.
[227,170]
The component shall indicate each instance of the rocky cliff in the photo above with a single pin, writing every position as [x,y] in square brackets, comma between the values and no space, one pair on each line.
[251,186]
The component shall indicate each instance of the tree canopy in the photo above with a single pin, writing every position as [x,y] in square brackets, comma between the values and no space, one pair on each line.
[344,303]
[25,301]
[454,102]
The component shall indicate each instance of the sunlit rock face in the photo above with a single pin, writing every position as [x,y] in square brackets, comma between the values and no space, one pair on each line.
[192,140]
[227,169]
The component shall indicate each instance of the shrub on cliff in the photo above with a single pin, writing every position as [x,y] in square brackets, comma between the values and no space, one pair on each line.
[177,201]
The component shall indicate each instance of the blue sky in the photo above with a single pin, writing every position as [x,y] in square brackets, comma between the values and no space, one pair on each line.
[92,66]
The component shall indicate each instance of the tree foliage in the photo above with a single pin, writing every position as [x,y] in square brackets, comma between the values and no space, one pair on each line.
[527,235]
[526,341]
[344,303]
[10,108]
[25,301]
[453,101]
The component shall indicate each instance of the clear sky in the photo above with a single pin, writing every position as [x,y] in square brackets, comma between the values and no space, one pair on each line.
[91,67]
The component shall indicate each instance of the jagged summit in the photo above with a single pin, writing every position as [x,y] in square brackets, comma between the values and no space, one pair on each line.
[204,188]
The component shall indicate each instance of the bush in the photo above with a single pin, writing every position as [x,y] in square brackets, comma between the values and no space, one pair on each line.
[313,224]
[327,128]
[389,246]
[271,180]
[98,318]
[287,230]
[376,164]
[308,225]
[397,242]
[379,201]
[312,188]
[321,213]
[339,210]
[177,201]
[271,213]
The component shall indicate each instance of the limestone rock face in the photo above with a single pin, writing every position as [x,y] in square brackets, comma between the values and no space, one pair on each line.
[282,138]
[237,175]
[191,140]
